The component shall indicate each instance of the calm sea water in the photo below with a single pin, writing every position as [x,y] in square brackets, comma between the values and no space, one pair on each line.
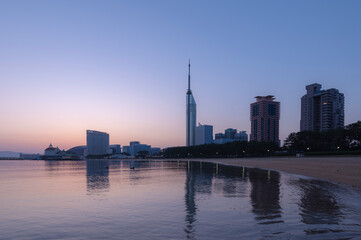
[169,200]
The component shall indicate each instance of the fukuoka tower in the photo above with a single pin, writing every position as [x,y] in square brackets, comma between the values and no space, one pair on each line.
[191,113]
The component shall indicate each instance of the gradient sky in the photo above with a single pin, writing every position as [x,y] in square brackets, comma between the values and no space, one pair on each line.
[121,66]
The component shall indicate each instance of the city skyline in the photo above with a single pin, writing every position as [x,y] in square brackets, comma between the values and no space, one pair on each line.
[63,71]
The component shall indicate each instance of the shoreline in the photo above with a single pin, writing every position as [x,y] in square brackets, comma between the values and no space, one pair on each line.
[341,170]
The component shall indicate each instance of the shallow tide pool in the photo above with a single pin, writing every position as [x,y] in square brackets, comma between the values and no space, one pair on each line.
[100,199]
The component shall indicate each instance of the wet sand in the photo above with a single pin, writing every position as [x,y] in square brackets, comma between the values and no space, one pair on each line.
[344,170]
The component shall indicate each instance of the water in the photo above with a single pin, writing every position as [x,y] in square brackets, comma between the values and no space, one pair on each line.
[169,200]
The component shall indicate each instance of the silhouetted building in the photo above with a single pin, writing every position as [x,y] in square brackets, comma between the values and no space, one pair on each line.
[265,117]
[230,135]
[322,110]
[125,149]
[219,136]
[230,132]
[97,143]
[114,149]
[154,151]
[204,134]
[191,113]
[132,143]
[241,136]
[135,147]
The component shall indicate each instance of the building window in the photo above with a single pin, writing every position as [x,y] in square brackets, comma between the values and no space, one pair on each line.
[255,110]
[274,130]
[262,129]
[255,130]
[268,130]
[272,109]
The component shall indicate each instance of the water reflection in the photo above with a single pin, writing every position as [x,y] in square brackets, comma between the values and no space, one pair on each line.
[233,181]
[265,196]
[181,200]
[190,203]
[97,176]
[317,203]
[52,166]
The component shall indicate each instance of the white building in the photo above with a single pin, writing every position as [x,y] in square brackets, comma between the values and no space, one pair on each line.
[97,143]
[204,134]
[51,151]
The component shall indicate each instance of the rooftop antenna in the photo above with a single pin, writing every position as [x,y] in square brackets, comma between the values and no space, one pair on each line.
[189,75]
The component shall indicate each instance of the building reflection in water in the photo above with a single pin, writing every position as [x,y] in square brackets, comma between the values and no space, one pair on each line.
[232,181]
[71,167]
[198,180]
[265,195]
[97,176]
[318,204]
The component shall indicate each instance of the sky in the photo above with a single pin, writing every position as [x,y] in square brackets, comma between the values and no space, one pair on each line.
[121,66]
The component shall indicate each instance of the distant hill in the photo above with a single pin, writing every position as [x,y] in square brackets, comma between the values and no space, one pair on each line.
[9,154]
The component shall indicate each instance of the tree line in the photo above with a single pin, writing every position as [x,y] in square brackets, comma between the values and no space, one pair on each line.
[337,140]
[231,149]
[341,139]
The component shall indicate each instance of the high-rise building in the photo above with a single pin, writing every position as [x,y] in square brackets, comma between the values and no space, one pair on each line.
[204,134]
[322,110]
[191,113]
[265,117]
[97,143]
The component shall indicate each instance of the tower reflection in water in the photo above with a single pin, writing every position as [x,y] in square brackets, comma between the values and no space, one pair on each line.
[97,176]
[198,180]
[190,204]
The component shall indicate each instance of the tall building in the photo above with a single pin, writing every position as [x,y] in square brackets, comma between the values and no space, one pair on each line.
[97,143]
[191,114]
[265,117]
[204,134]
[322,110]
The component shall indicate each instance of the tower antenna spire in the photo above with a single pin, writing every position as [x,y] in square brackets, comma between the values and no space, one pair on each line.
[189,75]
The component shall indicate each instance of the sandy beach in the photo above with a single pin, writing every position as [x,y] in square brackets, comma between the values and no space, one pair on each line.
[344,170]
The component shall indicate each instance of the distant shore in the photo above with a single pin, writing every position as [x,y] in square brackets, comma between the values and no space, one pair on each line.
[344,170]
